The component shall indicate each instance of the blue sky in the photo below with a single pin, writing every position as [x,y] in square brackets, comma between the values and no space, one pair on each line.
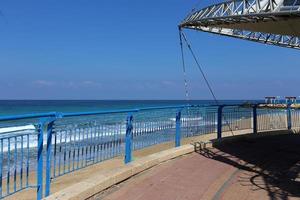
[128,49]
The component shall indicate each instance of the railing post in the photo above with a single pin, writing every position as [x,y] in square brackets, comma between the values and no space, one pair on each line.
[178,129]
[289,117]
[255,118]
[220,114]
[128,139]
[40,160]
[48,157]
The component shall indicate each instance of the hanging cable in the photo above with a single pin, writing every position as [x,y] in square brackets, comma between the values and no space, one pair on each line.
[200,69]
[204,76]
[185,77]
[183,67]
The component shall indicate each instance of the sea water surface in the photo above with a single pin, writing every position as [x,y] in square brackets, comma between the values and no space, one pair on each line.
[16,107]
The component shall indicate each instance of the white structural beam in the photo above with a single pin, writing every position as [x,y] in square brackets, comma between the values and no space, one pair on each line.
[275,22]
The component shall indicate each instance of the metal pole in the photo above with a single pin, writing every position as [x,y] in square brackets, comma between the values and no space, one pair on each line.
[128,139]
[220,110]
[289,116]
[178,129]
[48,163]
[40,161]
[255,119]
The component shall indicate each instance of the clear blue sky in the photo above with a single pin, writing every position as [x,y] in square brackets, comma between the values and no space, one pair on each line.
[128,49]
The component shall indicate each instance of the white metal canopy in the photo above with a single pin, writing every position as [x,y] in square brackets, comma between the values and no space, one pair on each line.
[275,22]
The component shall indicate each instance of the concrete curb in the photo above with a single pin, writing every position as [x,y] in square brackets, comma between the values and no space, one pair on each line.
[101,181]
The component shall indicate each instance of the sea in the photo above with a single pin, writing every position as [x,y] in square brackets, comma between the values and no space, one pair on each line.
[17,107]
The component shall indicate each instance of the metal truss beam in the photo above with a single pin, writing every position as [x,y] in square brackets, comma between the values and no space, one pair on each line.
[275,22]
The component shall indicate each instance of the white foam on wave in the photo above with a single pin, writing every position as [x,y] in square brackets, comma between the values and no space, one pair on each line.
[106,132]
[15,133]
[17,129]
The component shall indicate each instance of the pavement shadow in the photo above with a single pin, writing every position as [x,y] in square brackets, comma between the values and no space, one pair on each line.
[270,163]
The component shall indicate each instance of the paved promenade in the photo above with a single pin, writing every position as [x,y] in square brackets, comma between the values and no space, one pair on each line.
[247,169]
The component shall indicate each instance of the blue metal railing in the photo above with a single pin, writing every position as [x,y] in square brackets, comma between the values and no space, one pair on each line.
[36,148]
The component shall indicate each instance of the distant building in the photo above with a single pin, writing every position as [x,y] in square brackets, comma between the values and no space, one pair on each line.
[270,100]
[290,100]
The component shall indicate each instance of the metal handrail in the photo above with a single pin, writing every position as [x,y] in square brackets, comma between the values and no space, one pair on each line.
[73,146]
[59,115]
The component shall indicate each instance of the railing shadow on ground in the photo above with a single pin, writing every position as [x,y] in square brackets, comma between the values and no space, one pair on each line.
[270,163]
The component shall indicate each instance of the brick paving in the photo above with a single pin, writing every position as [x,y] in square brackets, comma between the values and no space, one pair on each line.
[257,168]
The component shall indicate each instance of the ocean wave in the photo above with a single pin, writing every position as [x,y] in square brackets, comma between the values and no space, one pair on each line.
[15,129]
[25,136]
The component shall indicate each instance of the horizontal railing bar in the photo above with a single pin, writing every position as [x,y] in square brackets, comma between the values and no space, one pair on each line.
[133,110]
[97,113]
[28,116]
[12,135]
[137,110]
[164,107]
[74,114]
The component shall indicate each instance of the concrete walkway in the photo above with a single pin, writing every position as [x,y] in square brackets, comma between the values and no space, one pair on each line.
[245,169]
